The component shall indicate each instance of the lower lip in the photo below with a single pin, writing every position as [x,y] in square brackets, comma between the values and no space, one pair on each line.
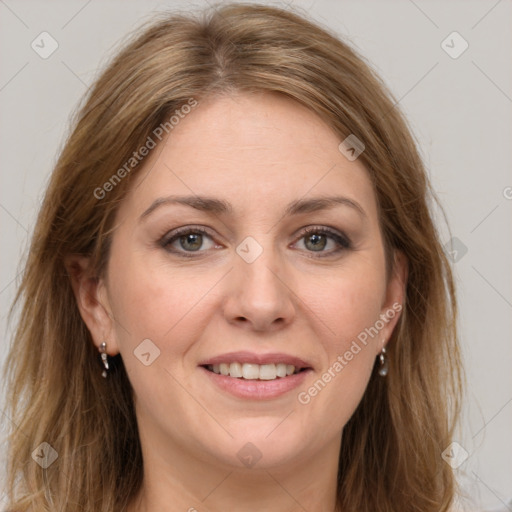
[257,389]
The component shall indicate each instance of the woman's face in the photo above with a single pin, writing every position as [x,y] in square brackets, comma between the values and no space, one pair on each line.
[250,240]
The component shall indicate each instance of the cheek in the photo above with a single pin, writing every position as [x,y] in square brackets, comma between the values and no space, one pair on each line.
[157,302]
[349,305]
[350,308]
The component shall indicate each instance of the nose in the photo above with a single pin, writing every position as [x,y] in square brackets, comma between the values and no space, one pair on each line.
[258,297]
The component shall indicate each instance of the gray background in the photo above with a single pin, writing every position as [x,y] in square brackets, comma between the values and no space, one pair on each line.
[459,109]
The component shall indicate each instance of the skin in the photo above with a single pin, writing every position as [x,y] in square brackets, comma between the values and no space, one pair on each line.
[258,152]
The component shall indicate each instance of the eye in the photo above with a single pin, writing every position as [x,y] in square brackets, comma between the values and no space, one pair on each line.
[188,240]
[323,240]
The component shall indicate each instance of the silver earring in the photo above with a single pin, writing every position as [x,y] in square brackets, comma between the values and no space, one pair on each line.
[104,356]
[383,369]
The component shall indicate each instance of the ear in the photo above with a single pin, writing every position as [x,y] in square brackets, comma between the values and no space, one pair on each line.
[395,296]
[92,300]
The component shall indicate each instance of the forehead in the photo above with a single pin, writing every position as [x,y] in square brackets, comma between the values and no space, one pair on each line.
[250,149]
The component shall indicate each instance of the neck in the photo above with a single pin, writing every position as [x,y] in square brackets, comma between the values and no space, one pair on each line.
[175,479]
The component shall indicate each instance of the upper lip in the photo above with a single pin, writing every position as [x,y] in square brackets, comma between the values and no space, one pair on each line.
[253,358]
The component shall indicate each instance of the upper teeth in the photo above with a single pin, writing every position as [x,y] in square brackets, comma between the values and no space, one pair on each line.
[253,371]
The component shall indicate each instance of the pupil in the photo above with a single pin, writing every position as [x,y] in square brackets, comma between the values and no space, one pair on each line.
[193,239]
[319,241]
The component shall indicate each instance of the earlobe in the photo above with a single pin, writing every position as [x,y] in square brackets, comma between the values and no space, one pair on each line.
[92,302]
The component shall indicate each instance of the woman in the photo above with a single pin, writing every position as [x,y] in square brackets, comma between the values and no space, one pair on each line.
[236,297]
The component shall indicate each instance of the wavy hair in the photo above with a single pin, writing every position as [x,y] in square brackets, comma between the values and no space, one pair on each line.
[390,457]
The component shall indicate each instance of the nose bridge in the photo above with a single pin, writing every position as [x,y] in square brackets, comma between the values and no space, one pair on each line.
[259,294]
[258,268]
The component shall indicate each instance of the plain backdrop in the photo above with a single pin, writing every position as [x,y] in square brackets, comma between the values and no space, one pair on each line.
[459,107]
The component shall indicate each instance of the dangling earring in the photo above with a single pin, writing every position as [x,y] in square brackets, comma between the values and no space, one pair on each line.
[103,351]
[383,369]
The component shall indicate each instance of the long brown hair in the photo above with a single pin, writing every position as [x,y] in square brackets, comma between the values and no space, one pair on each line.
[391,449]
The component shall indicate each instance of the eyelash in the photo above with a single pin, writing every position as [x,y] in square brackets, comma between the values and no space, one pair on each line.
[341,240]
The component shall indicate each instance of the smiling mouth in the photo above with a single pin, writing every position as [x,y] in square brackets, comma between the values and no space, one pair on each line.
[249,371]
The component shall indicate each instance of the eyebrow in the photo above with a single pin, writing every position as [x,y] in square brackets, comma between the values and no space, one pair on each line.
[218,206]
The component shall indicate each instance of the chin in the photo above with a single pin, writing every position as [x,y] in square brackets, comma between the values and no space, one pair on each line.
[259,444]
